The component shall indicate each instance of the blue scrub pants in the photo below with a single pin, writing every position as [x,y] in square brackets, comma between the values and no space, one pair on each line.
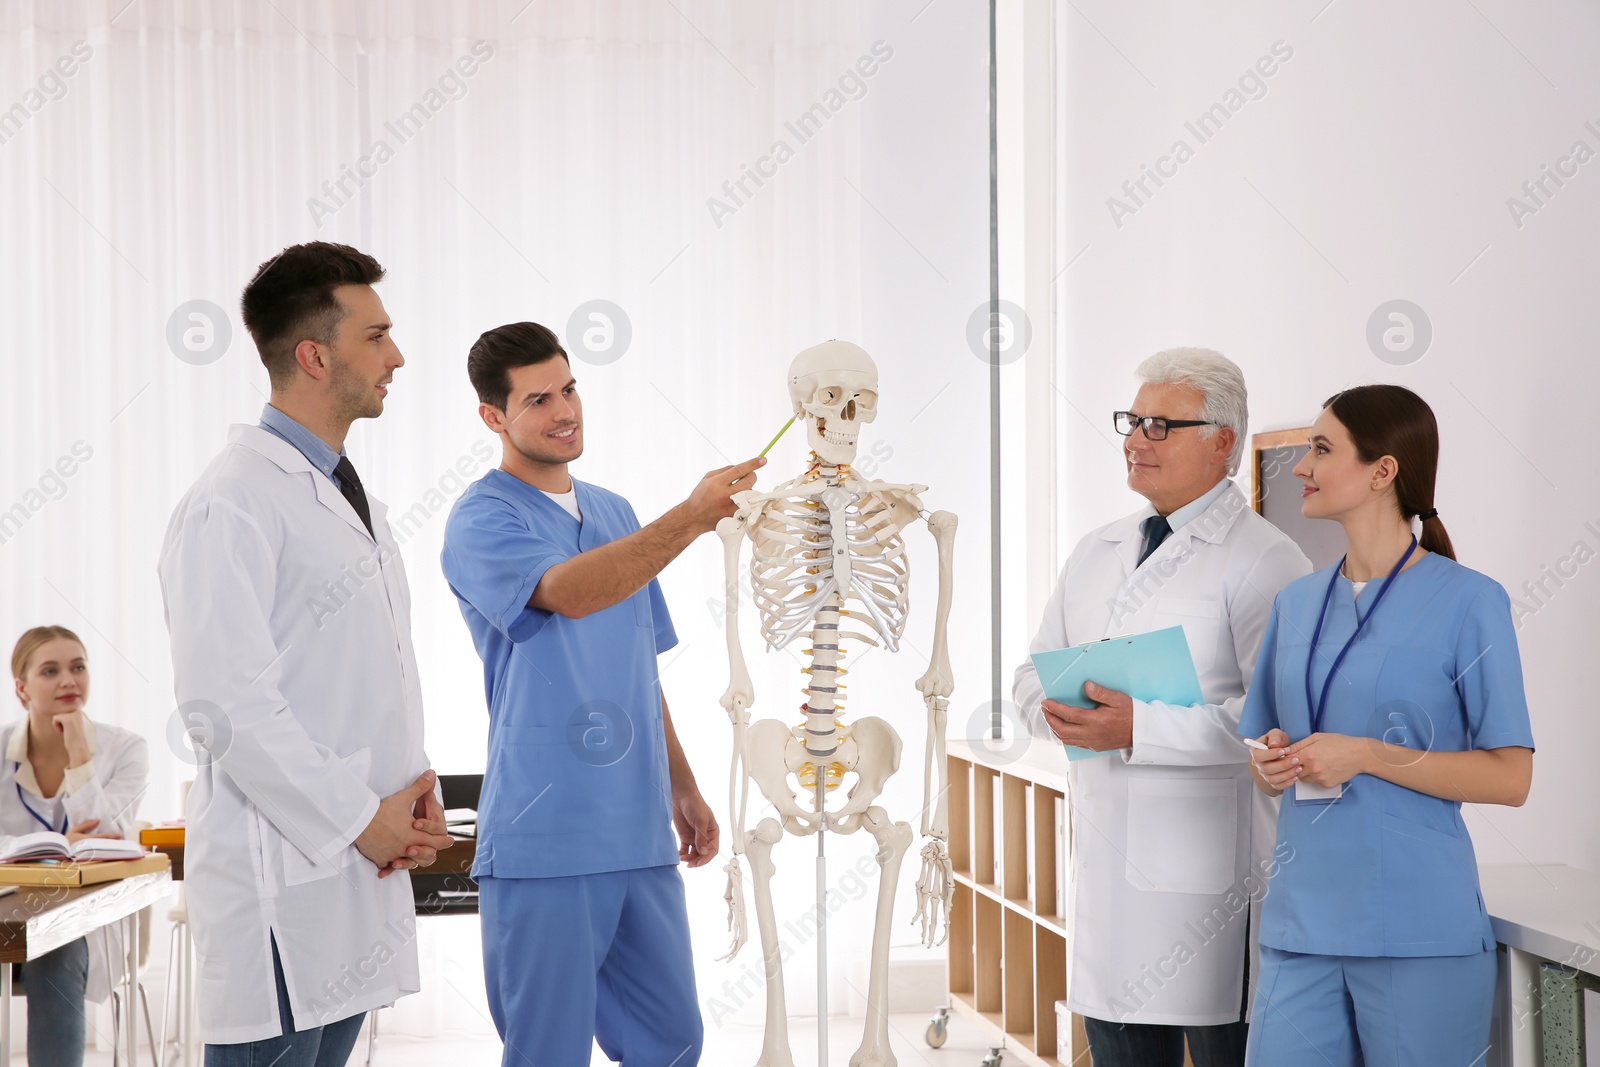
[1376,1011]
[594,956]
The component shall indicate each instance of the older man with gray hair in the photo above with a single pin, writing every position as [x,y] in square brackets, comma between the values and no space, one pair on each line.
[1171,844]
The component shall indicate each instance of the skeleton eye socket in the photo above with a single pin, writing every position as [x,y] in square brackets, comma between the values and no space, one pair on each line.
[866,400]
[828,395]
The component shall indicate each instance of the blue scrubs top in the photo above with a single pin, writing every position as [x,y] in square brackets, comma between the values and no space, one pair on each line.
[1386,870]
[577,779]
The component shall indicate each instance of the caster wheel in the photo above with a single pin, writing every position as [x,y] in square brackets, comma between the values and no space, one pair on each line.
[992,1059]
[938,1029]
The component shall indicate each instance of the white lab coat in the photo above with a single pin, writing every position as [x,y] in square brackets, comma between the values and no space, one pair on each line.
[291,652]
[1171,841]
[109,788]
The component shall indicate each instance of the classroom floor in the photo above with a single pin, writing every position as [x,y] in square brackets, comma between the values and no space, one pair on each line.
[732,1045]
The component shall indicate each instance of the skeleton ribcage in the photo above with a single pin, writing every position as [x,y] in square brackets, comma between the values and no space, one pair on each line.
[793,575]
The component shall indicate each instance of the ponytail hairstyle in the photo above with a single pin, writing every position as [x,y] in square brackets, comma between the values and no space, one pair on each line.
[1391,420]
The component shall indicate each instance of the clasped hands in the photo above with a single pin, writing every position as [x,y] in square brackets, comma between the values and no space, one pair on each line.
[1320,759]
[408,829]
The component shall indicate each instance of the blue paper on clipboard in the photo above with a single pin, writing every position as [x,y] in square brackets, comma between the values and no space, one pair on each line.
[1152,666]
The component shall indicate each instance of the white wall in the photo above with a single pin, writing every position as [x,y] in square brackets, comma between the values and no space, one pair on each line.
[1377,165]
[577,164]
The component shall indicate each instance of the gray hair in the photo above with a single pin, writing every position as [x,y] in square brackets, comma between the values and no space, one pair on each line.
[1220,382]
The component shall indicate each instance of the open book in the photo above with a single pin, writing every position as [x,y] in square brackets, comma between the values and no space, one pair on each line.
[45,845]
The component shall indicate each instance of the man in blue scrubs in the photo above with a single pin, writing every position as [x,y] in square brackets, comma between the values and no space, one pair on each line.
[585,934]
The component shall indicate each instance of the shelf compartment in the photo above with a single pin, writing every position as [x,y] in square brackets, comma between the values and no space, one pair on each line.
[959,807]
[1049,986]
[1049,813]
[1018,965]
[961,940]
[984,790]
[1013,828]
[986,955]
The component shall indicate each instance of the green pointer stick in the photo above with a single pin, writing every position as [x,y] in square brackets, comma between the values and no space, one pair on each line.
[781,432]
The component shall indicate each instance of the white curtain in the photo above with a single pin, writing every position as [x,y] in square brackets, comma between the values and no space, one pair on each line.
[505,161]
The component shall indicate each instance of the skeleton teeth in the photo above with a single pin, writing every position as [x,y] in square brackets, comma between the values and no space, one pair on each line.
[834,437]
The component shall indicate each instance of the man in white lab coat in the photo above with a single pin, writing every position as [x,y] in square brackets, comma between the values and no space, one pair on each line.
[292,660]
[1171,844]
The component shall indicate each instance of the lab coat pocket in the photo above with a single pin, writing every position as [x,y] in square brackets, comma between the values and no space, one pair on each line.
[1202,623]
[298,868]
[1182,834]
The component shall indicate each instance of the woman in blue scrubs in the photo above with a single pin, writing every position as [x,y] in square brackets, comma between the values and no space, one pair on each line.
[1387,694]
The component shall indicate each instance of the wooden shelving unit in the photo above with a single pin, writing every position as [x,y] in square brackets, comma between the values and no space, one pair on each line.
[1008,938]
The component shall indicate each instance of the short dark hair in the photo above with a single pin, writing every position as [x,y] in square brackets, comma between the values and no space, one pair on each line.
[497,352]
[291,299]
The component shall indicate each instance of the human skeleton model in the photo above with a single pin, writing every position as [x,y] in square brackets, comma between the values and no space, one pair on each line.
[828,553]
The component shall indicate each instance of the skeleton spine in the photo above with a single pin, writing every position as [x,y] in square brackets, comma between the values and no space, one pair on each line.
[822,695]
[822,707]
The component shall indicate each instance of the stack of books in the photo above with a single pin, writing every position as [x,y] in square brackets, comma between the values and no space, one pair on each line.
[47,858]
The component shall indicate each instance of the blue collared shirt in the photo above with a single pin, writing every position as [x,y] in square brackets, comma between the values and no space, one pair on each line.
[310,445]
[1197,507]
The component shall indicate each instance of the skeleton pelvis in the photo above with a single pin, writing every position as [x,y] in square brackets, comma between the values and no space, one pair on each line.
[803,766]
[776,756]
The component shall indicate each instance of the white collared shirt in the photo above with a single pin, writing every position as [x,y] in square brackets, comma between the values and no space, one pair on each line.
[74,778]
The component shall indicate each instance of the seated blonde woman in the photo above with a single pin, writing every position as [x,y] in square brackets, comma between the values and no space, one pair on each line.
[64,773]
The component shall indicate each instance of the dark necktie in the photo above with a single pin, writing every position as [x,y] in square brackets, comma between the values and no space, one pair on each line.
[1156,528]
[350,486]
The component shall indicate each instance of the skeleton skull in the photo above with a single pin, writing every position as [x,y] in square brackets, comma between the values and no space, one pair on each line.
[834,387]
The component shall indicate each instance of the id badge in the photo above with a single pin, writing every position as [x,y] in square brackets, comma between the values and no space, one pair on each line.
[1306,793]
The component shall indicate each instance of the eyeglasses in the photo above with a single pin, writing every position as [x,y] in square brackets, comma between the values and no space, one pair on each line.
[1155,427]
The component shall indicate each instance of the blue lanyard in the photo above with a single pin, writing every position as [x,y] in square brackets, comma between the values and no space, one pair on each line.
[40,819]
[1316,709]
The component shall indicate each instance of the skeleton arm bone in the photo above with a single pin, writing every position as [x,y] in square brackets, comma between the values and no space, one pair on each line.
[936,881]
[736,700]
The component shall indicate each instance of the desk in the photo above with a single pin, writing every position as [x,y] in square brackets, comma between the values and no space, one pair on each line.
[39,919]
[1548,919]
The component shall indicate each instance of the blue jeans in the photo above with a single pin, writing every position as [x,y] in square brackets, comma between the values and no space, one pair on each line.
[322,1046]
[1146,1045]
[54,985]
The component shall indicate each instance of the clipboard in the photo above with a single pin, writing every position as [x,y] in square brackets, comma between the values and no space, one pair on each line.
[1152,666]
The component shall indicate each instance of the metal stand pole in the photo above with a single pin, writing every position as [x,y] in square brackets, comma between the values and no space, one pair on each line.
[130,985]
[5,1013]
[822,924]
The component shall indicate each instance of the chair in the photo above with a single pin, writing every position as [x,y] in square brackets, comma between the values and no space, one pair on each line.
[178,998]
[446,888]
[144,996]
[144,1001]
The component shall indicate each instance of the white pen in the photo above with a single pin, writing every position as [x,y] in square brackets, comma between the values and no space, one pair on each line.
[1253,743]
